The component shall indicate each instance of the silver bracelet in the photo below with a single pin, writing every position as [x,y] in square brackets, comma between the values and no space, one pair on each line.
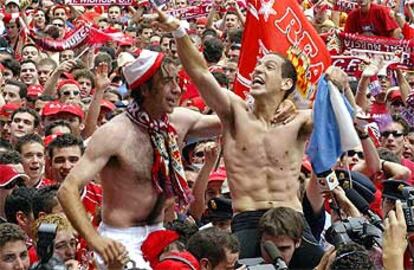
[180,32]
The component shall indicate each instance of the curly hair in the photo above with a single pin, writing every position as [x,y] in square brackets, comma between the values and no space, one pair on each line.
[59,220]
[352,256]
[10,233]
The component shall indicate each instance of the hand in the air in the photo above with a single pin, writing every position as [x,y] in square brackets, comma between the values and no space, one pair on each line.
[166,22]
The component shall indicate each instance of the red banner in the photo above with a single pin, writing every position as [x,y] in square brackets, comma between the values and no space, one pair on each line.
[352,65]
[282,27]
[102,2]
[192,12]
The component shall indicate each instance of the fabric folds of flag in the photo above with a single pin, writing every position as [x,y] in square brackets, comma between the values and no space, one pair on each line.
[333,129]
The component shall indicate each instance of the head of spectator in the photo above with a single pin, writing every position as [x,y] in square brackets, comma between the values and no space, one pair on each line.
[352,157]
[19,208]
[201,25]
[32,150]
[215,182]
[394,100]
[114,13]
[145,31]
[231,21]
[103,23]
[13,249]
[180,3]
[11,69]
[66,55]
[103,57]
[29,73]
[60,11]
[59,25]
[385,82]
[86,81]
[41,102]
[12,29]
[392,137]
[283,227]
[33,93]
[220,213]
[63,154]
[45,201]
[69,91]
[14,92]
[213,50]
[12,6]
[408,151]
[45,67]
[230,70]
[209,33]
[58,127]
[214,249]
[23,121]
[65,244]
[234,52]
[30,52]
[71,113]
[39,19]
[11,176]
[5,146]
[112,94]
[351,256]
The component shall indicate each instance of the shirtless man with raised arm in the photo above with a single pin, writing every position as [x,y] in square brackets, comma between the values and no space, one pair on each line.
[122,152]
[263,160]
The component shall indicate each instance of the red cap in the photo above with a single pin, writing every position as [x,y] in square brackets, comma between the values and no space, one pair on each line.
[178,260]
[65,82]
[7,110]
[220,175]
[35,91]
[394,93]
[202,21]
[53,108]
[107,105]
[8,173]
[155,243]
[48,139]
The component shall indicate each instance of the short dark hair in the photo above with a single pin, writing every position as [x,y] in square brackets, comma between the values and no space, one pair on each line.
[11,233]
[59,123]
[211,244]
[63,141]
[397,118]
[10,157]
[28,61]
[352,256]
[388,155]
[235,36]
[30,45]
[13,65]
[21,199]
[213,50]
[28,138]
[22,87]
[84,73]
[44,200]
[209,32]
[5,144]
[30,111]
[281,221]
[184,228]
[289,72]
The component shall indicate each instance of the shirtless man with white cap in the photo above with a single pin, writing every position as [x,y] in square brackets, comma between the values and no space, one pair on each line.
[131,153]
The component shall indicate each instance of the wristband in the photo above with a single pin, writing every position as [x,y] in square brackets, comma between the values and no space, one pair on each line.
[364,136]
[180,32]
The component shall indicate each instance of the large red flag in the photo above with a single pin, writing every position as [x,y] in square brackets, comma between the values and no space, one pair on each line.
[280,26]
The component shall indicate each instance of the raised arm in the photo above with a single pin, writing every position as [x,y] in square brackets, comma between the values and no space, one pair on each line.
[196,67]
[96,156]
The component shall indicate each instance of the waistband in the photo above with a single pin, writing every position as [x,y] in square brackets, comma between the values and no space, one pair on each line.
[130,230]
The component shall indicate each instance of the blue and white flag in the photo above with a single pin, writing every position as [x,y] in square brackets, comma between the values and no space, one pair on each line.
[333,128]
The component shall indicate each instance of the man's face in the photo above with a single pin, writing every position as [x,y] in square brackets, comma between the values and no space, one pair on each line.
[60,13]
[267,76]
[180,3]
[12,29]
[229,262]
[73,120]
[12,8]
[39,104]
[65,245]
[147,33]
[114,13]
[63,160]
[363,3]
[234,54]
[230,71]
[14,256]
[285,244]
[408,152]
[28,74]
[22,124]
[231,21]
[69,93]
[11,94]
[102,25]
[66,55]
[166,93]
[60,26]
[384,81]
[8,74]
[213,190]
[392,138]
[39,18]
[200,29]
[165,45]
[30,52]
[44,73]
[33,159]
[85,85]
[353,157]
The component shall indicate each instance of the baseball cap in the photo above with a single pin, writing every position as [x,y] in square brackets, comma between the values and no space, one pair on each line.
[219,209]
[54,108]
[7,110]
[219,175]
[8,173]
[35,91]
[393,94]
[107,105]
[155,244]
[392,189]
[17,2]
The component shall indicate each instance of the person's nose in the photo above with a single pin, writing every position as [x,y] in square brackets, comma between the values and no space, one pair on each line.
[19,264]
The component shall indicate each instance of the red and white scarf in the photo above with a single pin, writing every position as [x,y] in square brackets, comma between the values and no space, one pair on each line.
[167,170]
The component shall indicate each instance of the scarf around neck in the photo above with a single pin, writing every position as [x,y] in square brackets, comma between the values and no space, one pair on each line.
[167,170]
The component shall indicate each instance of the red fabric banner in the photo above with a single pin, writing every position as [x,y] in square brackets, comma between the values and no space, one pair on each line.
[345,5]
[282,27]
[101,2]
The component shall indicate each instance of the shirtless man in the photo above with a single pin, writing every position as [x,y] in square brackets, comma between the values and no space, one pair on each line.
[122,152]
[263,159]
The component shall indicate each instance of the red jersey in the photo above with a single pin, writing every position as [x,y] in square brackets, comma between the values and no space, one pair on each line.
[376,21]
[44,183]
[91,197]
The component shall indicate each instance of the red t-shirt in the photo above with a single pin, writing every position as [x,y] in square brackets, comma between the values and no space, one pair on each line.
[44,183]
[91,197]
[377,21]
[410,165]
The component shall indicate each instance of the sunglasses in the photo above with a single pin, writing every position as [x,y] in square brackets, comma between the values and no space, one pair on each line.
[395,134]
[67,93]
[58,25]
[352,153]
[397,103]
[199,154]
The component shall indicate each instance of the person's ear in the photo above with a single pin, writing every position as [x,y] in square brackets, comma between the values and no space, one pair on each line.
[205,264]
[298,243]
[21,218]
[287,84]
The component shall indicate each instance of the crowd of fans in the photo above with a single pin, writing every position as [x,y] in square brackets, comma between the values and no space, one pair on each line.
[53,101]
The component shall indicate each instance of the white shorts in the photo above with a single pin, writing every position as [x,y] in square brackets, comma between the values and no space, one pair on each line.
[132,238]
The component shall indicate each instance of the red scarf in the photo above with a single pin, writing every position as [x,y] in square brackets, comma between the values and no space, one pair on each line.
[167,170]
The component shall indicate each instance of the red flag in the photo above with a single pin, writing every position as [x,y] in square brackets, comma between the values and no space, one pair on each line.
[281,26]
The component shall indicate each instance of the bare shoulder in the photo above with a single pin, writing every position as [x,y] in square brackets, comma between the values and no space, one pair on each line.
[305,117]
